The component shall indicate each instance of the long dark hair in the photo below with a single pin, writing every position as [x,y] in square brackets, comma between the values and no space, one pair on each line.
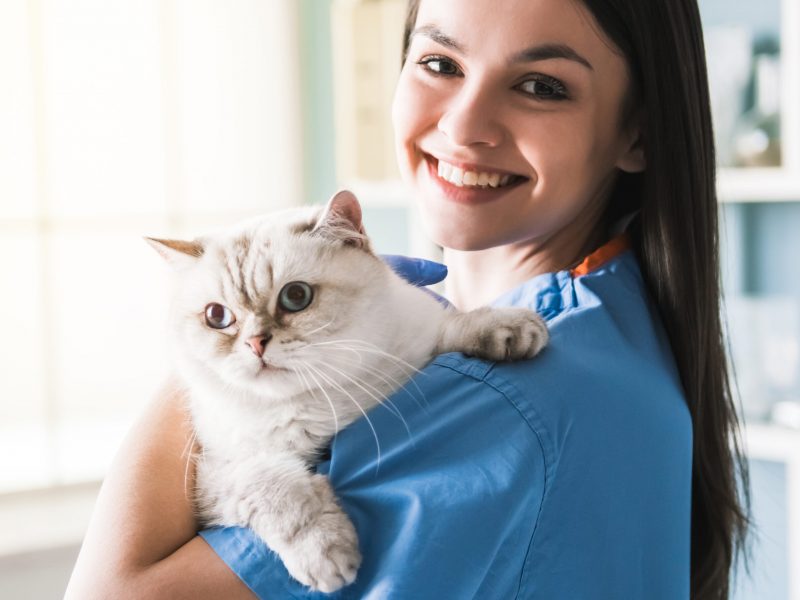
[675,236]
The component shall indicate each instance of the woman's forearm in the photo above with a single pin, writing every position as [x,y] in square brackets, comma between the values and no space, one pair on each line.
[142,539]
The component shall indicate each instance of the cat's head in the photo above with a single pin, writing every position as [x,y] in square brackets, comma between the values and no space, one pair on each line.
[259,307]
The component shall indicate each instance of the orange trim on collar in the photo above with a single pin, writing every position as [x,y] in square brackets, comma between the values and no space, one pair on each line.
[612,248]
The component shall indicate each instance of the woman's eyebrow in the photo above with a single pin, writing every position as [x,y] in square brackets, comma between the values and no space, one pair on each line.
[546,51]
[438,36]
[534,53]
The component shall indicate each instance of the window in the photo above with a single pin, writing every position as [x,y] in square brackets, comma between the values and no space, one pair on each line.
[121,119]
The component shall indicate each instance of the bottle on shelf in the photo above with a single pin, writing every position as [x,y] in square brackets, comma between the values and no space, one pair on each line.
[757,138]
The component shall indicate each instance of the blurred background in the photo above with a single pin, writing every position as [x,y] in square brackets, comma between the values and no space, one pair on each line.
[124,118]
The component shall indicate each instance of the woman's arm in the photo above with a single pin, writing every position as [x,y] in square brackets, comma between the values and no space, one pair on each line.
[142,540]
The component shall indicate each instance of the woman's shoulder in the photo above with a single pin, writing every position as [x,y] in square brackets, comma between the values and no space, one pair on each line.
[605,401]
[603,327]
[608,364]
[451,410]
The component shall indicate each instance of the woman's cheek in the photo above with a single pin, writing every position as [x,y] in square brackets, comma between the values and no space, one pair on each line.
[404,107]
[413,117]
[404,110]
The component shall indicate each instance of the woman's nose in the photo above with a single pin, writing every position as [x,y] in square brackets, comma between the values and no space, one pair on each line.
[471,119]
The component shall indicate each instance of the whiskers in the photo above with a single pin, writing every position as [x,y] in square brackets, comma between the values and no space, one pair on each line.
[356,347]
[189,453]
[384,376]
[332,370]
[319,328]
[317,369]
[304,374]
[364,346]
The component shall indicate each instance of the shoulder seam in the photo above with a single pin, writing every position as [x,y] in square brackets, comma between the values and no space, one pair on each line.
[484,378]
[545,454]
[545,460]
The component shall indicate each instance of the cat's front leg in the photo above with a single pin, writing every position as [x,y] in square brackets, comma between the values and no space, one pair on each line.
[494,333]
[296,513]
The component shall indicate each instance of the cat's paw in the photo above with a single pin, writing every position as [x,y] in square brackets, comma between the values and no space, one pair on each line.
[325,555]
[511,334]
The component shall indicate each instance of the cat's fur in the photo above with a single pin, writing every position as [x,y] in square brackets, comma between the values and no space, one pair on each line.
[261,429]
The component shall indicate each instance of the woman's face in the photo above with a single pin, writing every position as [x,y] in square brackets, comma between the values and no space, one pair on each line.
[506,120]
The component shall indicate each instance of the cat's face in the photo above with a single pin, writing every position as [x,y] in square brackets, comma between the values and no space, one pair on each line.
[259,307]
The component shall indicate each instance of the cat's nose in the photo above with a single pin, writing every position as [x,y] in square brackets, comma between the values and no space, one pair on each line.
[258,343]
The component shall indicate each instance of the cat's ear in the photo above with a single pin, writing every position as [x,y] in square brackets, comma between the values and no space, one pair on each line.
[341,219]
[177,253]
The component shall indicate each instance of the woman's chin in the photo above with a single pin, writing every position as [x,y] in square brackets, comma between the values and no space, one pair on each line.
[463,241]
[452,231]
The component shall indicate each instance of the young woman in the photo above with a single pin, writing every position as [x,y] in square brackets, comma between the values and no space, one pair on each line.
[562,154]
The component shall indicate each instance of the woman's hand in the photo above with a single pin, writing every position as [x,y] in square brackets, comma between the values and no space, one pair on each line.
[142,540]
[419,272]
[416,270]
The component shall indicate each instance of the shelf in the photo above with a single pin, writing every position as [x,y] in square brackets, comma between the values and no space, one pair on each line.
[780,444]
[774,184]
[772,442]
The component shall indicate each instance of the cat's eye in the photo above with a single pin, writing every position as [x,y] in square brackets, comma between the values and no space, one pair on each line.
[295,296]
[219,316]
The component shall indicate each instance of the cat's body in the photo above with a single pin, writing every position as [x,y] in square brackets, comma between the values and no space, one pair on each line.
[268,391]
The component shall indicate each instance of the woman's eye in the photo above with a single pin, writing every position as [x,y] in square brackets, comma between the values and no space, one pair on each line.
[544,88]
[439,65]
[295,296]
[219,316]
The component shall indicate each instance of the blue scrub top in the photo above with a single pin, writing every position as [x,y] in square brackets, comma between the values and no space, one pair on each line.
[564,476]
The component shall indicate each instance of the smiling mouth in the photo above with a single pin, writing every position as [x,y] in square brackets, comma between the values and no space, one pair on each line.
[473,179]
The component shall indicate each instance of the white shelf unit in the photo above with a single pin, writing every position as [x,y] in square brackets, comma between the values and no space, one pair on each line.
[782,445]
[776,184]
[768,184]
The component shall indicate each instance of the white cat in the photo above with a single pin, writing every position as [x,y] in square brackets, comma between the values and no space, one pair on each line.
[285,330]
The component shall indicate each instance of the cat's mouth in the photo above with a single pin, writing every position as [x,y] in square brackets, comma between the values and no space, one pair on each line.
[265,369]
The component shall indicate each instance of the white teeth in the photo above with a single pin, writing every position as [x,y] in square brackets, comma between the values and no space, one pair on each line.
[461,178]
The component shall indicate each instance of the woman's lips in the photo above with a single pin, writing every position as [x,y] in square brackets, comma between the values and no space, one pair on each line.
[470,194]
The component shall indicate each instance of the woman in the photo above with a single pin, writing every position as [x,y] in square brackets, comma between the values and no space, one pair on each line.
[602,468]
